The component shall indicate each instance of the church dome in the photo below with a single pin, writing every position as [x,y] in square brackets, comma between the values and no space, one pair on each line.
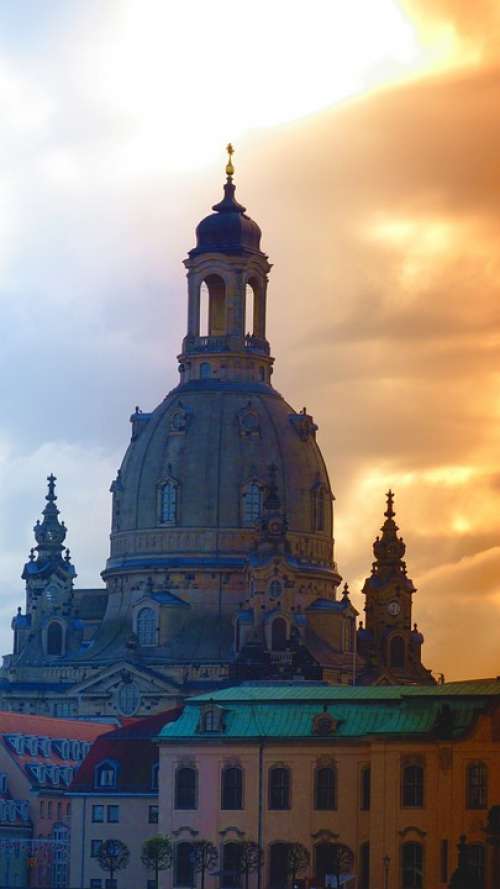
[208,447]
[229,230]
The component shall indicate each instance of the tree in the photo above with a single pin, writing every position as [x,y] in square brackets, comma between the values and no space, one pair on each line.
[343,860]
[157,855]
[113,856]
[493,836]
[205,857]
[464,877]
[250,859]
[297,860]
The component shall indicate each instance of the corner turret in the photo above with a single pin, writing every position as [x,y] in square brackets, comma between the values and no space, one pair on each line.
[393,650]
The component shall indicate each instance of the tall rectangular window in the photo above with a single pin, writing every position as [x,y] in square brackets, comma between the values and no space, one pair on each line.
[95,846]
[153,815]
[113,814]
[279,788]
[365,788]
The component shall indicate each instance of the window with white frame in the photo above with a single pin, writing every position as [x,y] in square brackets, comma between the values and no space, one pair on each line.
[146,627]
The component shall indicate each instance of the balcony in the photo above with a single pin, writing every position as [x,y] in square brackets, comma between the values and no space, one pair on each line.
[200,345]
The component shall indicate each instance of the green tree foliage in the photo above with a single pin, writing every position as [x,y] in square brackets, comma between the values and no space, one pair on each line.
[298,860]
[205,857]
[157,855]
[113,856]
[250,859]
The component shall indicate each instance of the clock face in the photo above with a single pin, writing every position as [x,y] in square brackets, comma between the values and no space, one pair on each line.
[394,608]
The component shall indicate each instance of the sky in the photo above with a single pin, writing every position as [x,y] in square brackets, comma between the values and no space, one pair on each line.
[367,147]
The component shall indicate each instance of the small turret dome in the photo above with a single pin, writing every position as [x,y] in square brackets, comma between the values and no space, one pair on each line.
[228,229]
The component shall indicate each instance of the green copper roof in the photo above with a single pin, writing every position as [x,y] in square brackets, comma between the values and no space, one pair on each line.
[288,710]
[312,691]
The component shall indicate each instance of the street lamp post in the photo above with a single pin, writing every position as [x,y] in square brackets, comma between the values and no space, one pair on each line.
[386,860]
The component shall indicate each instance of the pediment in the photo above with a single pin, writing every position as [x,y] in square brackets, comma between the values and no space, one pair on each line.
[110,678]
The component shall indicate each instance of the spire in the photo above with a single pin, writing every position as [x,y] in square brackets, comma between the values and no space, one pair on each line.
[50,532]
[229,204]
[389,549]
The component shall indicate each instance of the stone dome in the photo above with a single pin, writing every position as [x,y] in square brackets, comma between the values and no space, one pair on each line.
[229,229]
[210,439]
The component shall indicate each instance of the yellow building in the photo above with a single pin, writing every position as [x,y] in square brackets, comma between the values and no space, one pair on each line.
[381,780]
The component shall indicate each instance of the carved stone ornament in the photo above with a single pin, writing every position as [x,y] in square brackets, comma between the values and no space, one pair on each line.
[184,829]
[304,425]
[324,724]
[248,422]
[325,835]
[239,833]
[412,829]
[179,421]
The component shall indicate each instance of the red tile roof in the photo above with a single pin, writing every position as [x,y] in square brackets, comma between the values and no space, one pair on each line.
[50,727]
[133,749]
[45,727]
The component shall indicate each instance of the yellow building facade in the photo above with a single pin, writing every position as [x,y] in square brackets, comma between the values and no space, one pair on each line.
[384,779]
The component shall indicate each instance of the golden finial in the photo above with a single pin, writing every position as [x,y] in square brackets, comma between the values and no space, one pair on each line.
[229,165]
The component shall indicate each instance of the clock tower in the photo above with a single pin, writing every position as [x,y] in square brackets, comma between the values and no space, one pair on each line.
[389,640]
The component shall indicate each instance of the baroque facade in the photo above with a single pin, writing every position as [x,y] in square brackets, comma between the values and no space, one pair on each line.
[380,782]
[222,565]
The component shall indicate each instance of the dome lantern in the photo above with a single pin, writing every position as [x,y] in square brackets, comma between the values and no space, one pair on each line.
[227,294]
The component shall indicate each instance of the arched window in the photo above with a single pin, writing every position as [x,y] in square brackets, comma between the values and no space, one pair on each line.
[205,370]
[183,865]
[169,503]
[365,788]
[325,789]
[477,862]
[412,864]
[146,627]
[231,865]
[105,774]
[278,866]
[397,652]
[186,788]
[319,508]
[251,504]
[54,638]
[249,309]
[413,786]
[275,589]
[364,866]
[257,292]
[477,786]
[232,788]
[279,788]
[348,634]
[216,305]
[279,634]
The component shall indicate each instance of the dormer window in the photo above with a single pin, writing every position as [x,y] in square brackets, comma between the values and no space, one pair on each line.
[211,719]
[3,782]
[76,750]
[146,627]
[105,774]
[324,724]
